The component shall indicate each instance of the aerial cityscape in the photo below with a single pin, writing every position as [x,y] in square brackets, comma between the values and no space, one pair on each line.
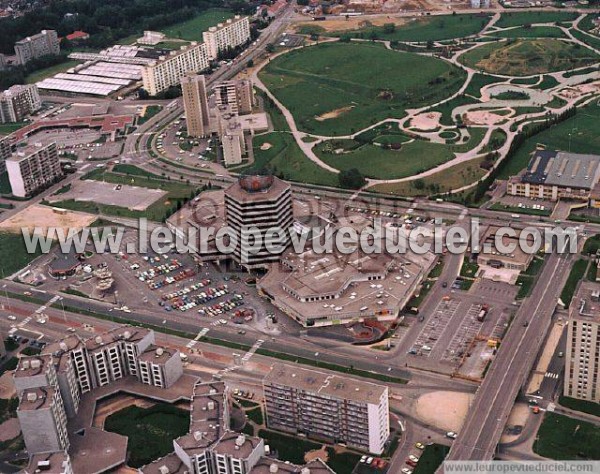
[299,236]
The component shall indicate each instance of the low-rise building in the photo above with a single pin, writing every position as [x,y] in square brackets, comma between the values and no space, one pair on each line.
[329,407]
[18,102]
[50,463]
[151,38]
[45,43]
[555,175]
[228,35]
[491,254]
[33,168]
[582,366]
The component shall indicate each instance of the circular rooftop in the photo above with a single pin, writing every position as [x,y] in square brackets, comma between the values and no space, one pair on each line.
[256,183]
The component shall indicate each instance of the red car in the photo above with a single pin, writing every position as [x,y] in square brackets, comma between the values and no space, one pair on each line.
[411,463]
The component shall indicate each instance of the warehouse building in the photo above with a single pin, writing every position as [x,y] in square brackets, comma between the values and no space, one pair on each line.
[555,175]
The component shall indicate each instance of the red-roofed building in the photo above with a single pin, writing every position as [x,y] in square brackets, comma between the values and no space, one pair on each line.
[78,36]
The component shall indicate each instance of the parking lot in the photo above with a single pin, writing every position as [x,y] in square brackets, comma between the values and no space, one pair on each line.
[460,331]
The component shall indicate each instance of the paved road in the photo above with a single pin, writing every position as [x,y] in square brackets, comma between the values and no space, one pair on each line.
[495,398]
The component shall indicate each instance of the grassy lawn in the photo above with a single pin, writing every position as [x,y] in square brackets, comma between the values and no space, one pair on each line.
[535,266]
[432,457]
[583,128]
[284,158]
[522,18]
[255,415]
[451,178]
[50,71]
[469,269]
[8,408]
[523,57]
[532,32]
[191,30]
[575,276]
[525,284]
[564,438]
[150,430]
[10,364]
[447,108]
[150,112]
[331,92]
[14,254]
[5,184]
[435,28]
[8,128]
[342,463]
[583,406]
[592,244]
[289,448]
[480,80]
[588,39]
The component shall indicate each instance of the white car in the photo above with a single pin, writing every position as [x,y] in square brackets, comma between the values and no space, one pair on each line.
[406,470]
[11,317]
[451,435]
[413,458]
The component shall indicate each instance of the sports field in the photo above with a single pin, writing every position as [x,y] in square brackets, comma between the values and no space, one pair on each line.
[434,28]
[191,30]
[340,88]
[523,57]
[578,134]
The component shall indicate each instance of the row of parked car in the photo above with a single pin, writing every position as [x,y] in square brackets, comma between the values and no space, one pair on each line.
[186,301]
[186,290]
[222,307]
[187,273]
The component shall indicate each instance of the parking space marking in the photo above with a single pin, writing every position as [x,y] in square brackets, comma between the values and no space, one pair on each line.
[468,329]
[435,326]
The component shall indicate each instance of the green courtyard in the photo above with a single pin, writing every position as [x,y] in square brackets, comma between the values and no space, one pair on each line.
[330,91]
[192,29]
[150,431]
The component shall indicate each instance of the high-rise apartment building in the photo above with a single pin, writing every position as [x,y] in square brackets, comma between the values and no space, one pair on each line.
[338,409]
[582,361]
[259,203]
[168,70]
[195,103]
[5,153]
[234,32]
[159,366]
[43,420]
[44,43]
[18,102]
[231,135]
[33,168]
[237,95]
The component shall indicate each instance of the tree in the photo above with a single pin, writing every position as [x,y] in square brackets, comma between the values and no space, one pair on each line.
[270,48]
[251,63]
[345,38]
[351,178]
[389,28]
[419,184]
[429,44]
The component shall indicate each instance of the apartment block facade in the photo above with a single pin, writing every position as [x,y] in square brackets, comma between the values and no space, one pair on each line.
[237,95]
[169,70]
[582,361]
[195,103]
[337,409]
[230,34]
[5,153]
[18,102]
[44,43]
[43,420]
[160,367]
[33,168]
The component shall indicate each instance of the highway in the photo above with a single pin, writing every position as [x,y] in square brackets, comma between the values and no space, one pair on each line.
[496,395]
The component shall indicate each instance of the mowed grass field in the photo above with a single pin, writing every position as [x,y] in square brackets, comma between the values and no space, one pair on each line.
[523,18]
[192,29]
[340,88]
[380,163]
[565,438]
[533,32]
[523,57]
[434,28]
[583,128]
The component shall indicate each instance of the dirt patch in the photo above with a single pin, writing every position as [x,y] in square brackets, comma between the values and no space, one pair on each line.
[518,417]
[334,113]
[38,216]
[446,410]
[483,117]
[266,146]
[316,453]
[426,121]
[352,23]
[7,387]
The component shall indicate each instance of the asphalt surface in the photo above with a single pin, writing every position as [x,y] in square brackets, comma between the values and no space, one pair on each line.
[495,398]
